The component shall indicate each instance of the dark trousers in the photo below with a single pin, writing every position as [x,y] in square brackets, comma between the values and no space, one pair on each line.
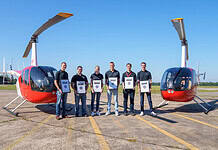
[131,93]
[83,100]
[93,95]
[149,101]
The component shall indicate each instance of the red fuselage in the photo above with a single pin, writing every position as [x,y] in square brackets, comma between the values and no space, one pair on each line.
[179,96]
[32,87]
[179,84]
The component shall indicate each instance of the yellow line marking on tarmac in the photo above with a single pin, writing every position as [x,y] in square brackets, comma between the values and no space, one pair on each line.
[70,122]
[32,131]
[195,120]
[70,133]
[104,145]
[168,134]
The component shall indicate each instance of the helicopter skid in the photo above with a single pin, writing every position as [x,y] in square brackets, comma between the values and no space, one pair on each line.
[13,110]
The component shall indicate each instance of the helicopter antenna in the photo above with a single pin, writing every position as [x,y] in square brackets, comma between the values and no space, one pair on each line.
[3,70]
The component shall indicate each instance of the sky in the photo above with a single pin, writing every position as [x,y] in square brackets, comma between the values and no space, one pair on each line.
[123,31]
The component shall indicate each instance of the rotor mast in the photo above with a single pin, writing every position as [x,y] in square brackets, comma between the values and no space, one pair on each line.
[34,61]
[184,53]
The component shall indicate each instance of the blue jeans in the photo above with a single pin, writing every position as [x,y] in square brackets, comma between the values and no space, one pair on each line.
[98,95]
[83,100]
[109,96]
[131,94]
[61,102]
[149,101]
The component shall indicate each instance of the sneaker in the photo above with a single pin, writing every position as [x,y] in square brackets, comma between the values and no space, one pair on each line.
[153,113]
[98,113]
[107,113]
[92,114]
[58,118]
[142,113]
[125,114]
[77,115]
[116,113]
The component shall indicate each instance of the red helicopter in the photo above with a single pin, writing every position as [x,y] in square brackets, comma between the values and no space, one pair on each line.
[36,83]
[179,84]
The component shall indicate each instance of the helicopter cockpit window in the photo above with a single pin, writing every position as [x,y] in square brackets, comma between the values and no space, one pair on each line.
[178,79]
[22,76]
[26,77]
[167,81]
[42,78]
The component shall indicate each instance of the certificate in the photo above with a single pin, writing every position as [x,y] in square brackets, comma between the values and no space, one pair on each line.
[144,85]
[128,83]
[96,84]
[112,83]
[81,87]
[65,86]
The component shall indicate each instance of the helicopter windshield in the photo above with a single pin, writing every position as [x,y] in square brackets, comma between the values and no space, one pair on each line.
[178,79]
[42,78]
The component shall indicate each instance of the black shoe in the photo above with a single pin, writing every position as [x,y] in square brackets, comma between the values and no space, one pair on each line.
[85,115]
[77,115]
[66,116]
[132,114]
[125,114]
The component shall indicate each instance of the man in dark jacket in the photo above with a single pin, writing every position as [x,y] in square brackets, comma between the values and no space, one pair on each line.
[144,80]
[96,89]
[80,85]
[129,83]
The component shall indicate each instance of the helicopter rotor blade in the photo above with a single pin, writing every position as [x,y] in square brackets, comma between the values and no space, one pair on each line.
[179,26]
[58,18]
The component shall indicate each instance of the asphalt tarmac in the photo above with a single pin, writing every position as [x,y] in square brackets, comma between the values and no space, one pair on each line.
[177,126]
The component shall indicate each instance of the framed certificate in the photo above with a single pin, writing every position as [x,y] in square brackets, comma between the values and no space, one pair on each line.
[112,82]
[81,87]
[144,85]
[96,84]
[65,86]
[128,83]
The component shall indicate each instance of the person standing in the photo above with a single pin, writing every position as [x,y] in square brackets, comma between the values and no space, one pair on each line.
[96,89]
[144,80]
[129,83]
[112,82]
[79,84]
[61,96]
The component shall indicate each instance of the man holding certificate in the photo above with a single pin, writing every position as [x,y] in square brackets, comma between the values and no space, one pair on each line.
[79,84]
[62,84]
[96,89]
[112,81]
[144,80]
[128,82]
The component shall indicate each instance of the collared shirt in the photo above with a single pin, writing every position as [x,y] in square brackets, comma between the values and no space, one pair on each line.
[129,74]
[109,74]
[76,78]
[96,76]
[61,75]
[144,76]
